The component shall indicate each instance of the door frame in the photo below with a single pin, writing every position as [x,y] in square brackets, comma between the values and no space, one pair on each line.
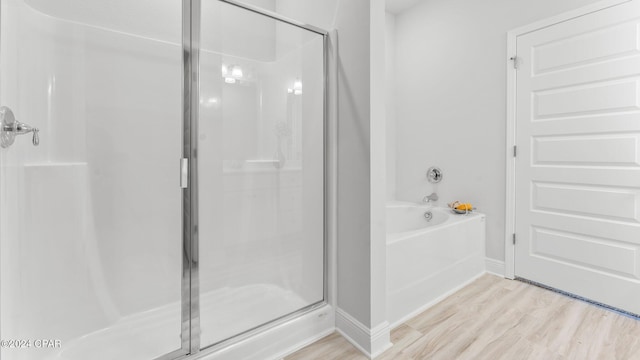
[511,57]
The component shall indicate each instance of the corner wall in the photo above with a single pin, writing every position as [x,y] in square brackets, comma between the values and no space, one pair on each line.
[390,58]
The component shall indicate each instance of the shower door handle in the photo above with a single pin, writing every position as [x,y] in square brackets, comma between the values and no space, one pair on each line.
[9,128]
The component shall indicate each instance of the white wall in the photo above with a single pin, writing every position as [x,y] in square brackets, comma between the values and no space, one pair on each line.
[354,232]
[390,56]
[450,62]
[380,338]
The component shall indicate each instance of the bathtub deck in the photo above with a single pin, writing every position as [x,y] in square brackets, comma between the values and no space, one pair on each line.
[494,318]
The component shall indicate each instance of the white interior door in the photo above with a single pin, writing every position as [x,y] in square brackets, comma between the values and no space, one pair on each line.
[578,167]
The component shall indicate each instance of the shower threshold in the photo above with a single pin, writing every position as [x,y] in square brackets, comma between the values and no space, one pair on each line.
[225,313]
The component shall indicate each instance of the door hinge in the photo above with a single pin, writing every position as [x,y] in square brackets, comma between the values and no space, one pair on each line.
[184,173]
[515,60]
[514,238]
[515,151]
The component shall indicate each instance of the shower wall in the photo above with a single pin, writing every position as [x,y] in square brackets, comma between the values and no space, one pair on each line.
[94,222]
[238,147]
[101,233]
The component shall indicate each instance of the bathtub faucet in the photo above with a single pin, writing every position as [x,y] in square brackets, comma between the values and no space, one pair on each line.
[430,198]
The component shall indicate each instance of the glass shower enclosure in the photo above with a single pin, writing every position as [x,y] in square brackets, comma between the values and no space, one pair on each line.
[162,176]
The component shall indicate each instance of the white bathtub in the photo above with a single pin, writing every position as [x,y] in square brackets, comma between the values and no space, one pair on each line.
[428,259]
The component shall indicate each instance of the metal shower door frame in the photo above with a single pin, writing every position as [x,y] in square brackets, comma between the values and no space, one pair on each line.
[190,102]
[190,332]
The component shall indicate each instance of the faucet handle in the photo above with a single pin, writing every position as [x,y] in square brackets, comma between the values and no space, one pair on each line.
[9,128]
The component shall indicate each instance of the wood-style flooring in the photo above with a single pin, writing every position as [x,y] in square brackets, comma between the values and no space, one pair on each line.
[494,318]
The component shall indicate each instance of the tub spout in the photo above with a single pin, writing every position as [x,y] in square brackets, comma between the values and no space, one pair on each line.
[429,198]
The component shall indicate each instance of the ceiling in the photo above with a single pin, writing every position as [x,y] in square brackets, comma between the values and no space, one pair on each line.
[398,6]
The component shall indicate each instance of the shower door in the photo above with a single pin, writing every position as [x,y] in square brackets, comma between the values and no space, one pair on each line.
[90,219]
[260,173]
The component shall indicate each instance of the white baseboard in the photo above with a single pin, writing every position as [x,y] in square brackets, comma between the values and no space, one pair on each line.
[371,342]
[495,267]
[380,339]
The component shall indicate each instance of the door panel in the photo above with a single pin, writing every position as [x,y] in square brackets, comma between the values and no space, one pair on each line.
[90,219]
[260,170]
[578,167]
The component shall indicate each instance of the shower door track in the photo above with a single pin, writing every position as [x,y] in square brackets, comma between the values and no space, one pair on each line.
[190,317]
[190,333]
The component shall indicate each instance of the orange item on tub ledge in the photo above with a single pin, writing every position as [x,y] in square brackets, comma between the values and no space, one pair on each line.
[461,206]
